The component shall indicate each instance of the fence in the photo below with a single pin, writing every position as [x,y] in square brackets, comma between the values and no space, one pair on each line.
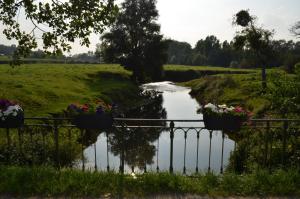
[55,141]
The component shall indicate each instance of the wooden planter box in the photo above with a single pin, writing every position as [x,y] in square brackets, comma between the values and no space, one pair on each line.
[93,121]
[225,123]
[13,122]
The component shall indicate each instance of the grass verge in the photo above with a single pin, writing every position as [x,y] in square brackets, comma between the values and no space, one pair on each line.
[44,88]
[73,183]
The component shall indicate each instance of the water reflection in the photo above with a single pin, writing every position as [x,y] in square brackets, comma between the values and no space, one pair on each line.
[137,143]
[151,146]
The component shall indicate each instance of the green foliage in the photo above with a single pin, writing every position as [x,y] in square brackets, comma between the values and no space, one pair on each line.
[62,22]
[254,38]
[71,183]
[135,42]
[231,89]
[284,92]
[46,88]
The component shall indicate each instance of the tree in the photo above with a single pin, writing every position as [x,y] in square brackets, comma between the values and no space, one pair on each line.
[254,38]
[178,52]
[59,22]
[135,42]
[296,29]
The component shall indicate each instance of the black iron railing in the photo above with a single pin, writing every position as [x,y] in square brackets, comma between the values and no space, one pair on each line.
[55,141]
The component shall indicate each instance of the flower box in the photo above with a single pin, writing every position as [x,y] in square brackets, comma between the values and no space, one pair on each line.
[13,122]
[102,121]
[221,117]
[226,123]
[11,114]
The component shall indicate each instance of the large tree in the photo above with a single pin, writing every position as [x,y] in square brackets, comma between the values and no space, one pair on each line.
[255,38]
[135,41]
[58,22]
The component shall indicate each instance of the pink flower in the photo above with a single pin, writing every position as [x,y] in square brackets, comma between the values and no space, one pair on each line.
[238,109]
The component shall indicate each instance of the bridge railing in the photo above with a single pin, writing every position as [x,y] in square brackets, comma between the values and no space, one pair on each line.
[55,141]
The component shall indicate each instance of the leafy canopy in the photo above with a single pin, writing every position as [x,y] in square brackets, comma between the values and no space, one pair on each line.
[60,22]
[252,37]
[135,41]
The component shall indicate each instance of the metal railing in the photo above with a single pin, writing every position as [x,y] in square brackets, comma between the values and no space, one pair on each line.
[56,141]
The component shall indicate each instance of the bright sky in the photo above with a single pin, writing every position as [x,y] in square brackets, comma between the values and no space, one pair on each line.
[192,20]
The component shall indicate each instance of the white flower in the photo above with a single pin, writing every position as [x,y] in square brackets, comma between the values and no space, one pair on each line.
[212,107]
[223,106]
[11,110]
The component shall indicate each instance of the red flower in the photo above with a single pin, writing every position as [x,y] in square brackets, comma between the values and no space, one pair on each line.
[238,109]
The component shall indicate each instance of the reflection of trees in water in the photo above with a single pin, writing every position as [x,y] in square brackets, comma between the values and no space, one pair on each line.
[138,142]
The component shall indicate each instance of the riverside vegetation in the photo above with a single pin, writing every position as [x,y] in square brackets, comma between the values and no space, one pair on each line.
[49,88]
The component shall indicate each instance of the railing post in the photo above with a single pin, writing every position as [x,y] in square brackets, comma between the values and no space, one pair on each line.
[266,144]
[209,156]
[8,137]
[107,153]
[172,125]
[95,151]
[56,144]
[197,160]
[285,127]
[82,149]
[222,155]
[184,167]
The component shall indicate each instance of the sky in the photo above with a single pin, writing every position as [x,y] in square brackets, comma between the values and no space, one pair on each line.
[192,20]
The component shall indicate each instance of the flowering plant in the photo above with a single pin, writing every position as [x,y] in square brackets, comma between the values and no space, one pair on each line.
[222,117]
[11,114]
[224,110]
[97,115]
[9,109]
[99,107]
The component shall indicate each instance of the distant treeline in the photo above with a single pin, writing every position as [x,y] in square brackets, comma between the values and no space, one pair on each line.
[210,51]
[40,56]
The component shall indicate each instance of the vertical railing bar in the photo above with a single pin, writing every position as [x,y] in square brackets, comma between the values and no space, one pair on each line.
[107,153]
[266,144]
[157,153]
[171,145]
[70,142]
[197,159]
[20,140]
[8,137]
[56,143]
[184,167]
[222,155]
[271,151]
[44,146]
[285,128]
[209,157]
[82,149]
[95,152]
[145,168]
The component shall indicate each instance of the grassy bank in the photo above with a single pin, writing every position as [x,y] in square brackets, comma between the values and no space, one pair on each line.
[180,73]
[44,88]
[233,89]
[50,182]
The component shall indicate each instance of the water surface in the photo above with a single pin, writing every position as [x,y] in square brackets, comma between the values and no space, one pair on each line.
[177,104]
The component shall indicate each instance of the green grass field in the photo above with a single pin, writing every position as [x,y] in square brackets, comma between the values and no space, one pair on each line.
[49,88]
[204,68]
[44,88]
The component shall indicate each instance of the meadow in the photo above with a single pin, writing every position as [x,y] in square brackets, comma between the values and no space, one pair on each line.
[48,88]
